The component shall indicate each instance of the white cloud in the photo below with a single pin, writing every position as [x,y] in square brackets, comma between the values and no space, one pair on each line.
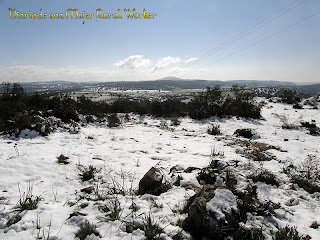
[140,68]
[133,62]
[32,73]
[168,61]
[192,59]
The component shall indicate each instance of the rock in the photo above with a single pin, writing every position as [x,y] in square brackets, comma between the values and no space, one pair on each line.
[315,225]
[214,163]
[84,205]
[194,188]
[77,214]
[207,176]
[202,223]
[87,189]
[190,169]
[151,181]
[176,168]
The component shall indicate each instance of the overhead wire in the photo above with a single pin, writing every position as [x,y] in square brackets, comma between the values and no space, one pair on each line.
[246,32]
[263,39]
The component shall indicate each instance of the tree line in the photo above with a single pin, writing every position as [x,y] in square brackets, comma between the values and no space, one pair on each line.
[19,110]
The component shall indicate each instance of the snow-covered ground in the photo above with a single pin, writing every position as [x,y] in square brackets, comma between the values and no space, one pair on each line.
[125,154]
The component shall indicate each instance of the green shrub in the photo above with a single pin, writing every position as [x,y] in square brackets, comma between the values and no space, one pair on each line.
[214,130]
[307,175]
[86,229]
[231,181]
[88,173]
[62,159]
[113,121]
[27,200]
[151,229]
[175,122]
[244,132]
[267,208]
[289,96]
[248,234]
[266,177]
[115,210]
[212,103]
[312,127]
[287,233]
[247,201]
[13,220]
[289,126]
[164,125]
[297,106]
[89,119]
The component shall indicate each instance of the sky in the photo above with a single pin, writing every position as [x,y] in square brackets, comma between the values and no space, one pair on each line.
[205,39]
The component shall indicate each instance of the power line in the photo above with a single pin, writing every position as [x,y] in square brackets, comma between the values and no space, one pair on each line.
[249,30]
[263,39]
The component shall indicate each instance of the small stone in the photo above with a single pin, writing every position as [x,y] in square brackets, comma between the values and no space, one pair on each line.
[87,189]
[193,187]
[315,225]
[84,205]
[151,181]
[190,169]
[77,214]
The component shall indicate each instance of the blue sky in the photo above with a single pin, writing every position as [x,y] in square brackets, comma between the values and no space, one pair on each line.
[175,43]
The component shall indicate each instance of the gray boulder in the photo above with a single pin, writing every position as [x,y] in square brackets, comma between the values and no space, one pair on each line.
[151,181]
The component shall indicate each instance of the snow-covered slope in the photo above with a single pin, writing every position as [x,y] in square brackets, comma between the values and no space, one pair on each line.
[125,154]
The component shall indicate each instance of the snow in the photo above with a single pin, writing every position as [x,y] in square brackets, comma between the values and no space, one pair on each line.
[125,154]
[224,201]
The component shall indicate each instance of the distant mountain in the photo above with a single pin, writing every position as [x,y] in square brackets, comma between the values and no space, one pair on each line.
[170,78]
[167,83]
[313,89]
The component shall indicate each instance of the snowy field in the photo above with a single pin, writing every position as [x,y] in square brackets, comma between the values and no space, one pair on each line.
[123,155]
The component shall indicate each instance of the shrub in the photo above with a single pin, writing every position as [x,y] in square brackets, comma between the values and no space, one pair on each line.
[88,173]
[244,132]
[287,233]
[65,108]
[62,159]
[164,125]
[247,201]
[266,177]
[248,234]
[231,181]
[208,175]
[211,102]
[289,96]
[257,154]
[86,229]
[115,210]
[216,152]
[289,126]
[89,119]
[27,200]
[175,122]
[297,106]
[267,208]
[13,220]
[312,127]
[151,229]
[307,176]
[214,130]
[113,121]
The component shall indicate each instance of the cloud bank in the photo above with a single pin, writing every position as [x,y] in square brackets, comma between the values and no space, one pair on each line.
[139,67]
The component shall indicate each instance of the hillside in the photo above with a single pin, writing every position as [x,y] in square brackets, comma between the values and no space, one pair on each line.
[121,156]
